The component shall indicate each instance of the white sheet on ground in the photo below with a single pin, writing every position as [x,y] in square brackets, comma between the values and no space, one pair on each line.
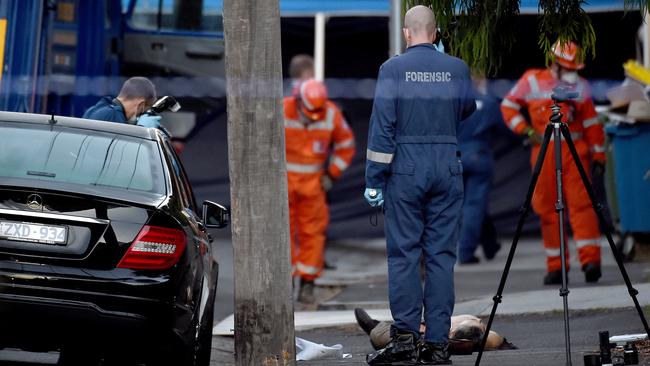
[306,351]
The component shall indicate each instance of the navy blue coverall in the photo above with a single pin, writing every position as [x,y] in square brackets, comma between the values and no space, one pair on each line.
[475,136]
[420,98]
[107,109]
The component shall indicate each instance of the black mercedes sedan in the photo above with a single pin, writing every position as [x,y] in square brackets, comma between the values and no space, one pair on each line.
[104,253]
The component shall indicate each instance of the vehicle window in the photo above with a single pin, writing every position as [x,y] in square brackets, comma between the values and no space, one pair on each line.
[178,15]
[145,14]
[186,190]
[80,157]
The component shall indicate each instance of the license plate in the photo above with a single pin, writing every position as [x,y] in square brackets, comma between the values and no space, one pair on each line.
[46,234]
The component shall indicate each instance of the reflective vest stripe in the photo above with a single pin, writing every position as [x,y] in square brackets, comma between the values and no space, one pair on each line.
[587,242]
[534,86]
[552,252]
[304,168]
[326,124]
[304,268]
[292,123]
[598,149]
[379,157]
[349,143]
[510,104]
[340,163]
[590,122]
[515,121]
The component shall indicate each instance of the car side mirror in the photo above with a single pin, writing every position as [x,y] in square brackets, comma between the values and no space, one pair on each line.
[215,215]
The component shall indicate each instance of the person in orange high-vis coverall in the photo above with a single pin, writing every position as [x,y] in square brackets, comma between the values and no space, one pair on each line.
[533,93]
[316,133]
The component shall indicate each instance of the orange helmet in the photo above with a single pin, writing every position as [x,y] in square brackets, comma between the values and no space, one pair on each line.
[566,55]
[313,96]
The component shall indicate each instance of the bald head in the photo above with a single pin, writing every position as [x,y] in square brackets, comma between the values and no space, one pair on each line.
[419,25]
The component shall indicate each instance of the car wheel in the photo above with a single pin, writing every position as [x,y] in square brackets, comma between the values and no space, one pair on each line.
[205,339]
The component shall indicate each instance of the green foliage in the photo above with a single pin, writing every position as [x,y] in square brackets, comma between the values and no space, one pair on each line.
[565,20]
[482,32]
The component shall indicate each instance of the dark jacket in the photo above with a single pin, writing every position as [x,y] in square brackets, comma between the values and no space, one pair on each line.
[107,109]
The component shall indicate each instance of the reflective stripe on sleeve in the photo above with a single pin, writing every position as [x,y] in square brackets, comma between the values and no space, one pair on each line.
[292,123]
[515,121]
[587,242]
[344,144]
[378,157]
[306,269]
[340,163]
[304,168]
[598,149]
[590,122]
[510,104]
[534,86]
[552,252]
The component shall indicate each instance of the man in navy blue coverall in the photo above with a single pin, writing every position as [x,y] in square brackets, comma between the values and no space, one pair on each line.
[413,164]
[136,96]
[475,136]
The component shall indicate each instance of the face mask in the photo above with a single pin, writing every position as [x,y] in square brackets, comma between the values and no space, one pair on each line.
[570,77]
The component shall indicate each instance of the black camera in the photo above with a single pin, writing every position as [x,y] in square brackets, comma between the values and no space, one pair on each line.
[166,103]
[563,94]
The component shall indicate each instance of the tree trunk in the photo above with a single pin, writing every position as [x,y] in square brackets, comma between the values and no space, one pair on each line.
[264,329]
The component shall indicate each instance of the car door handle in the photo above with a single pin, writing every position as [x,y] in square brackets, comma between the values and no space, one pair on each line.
[199,51]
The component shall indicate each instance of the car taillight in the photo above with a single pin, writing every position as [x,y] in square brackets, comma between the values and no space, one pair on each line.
[154,248]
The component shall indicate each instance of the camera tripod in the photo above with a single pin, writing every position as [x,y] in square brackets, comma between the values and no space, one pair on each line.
[559,129]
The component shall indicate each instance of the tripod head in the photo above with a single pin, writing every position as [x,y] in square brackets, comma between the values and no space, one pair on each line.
[561,94]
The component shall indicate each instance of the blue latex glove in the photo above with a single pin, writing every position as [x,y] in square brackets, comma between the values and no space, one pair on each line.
[377,200]
[147,120]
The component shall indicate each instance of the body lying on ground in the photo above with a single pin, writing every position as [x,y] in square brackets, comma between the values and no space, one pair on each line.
[465,335]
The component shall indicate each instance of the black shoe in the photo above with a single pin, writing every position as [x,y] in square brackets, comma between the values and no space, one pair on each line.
[401,350]
[492,252]
[364,320]
[434,354]
[592,272]
[306,292]
[471,260]
[553,278]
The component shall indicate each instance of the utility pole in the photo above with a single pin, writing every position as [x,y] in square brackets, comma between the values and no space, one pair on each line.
[264,328]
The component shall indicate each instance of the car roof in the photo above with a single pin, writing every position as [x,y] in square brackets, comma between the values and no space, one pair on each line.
[80,123]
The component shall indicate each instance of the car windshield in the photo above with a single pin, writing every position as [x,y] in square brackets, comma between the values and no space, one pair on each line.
[105,161]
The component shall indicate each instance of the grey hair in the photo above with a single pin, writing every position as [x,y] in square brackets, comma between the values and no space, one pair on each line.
[138,87]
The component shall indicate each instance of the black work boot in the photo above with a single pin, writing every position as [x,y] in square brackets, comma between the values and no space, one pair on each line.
[306,292]
[592,272]
[364,320]
[402,350]
[553,278]
[433,354]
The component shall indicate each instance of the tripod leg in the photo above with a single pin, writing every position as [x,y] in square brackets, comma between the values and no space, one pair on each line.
[601,217]
[525,210]
[559,207]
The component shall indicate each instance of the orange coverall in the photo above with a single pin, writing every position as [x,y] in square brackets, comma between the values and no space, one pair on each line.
[309,145]
[533,92]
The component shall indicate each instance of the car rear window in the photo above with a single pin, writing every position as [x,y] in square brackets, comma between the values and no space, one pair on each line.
[80,157]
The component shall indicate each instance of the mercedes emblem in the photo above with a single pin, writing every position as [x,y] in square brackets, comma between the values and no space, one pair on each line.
[35,202]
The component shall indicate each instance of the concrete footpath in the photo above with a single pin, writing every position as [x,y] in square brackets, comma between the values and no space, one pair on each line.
[529,316]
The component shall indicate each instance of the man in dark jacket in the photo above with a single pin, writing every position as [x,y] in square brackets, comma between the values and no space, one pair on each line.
[136,96]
